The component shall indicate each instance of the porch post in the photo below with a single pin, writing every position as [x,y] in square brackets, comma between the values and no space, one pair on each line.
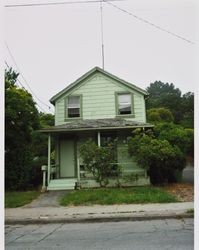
[49,151]
[78,170]
[98,139]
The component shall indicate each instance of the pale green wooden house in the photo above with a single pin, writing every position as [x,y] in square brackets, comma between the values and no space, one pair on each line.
[100,106]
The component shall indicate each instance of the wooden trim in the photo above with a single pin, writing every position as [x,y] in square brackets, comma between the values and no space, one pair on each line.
[132,105]
[96,129]
[75,157]
[57,159]
[49,153]
[81,79]
[132,115]
[66,108]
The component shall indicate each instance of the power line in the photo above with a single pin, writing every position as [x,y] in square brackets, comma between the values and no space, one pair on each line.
[25,78]
[56,3]
[148,22]
[24,87]
[9,68]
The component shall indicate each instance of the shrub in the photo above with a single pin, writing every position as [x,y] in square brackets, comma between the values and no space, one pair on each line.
[100,161]
[36,176]
[176,135]
[159,115]
[162,161]
[18,168]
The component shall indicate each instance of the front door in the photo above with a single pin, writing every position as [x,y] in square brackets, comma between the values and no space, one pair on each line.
[67,159]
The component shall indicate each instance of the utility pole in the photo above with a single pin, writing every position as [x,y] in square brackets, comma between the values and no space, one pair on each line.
[102,35]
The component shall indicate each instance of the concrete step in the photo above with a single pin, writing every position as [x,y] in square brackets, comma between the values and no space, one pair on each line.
[53,188]
[63,181]
[62,184]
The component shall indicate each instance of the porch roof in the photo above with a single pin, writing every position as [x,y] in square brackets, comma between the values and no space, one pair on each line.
[96,124]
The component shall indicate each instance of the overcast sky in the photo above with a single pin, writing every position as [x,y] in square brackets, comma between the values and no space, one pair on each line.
[55,45]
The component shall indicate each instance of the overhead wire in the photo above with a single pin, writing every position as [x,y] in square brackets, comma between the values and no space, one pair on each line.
[9,68]
[148,22]
[25,78]
[56,3]
[17,80]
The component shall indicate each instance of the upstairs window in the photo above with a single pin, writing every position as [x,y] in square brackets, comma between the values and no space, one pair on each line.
[73,106]
[124,104]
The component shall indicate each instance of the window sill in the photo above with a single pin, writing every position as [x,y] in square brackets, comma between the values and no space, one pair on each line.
[73,119]
[125,116]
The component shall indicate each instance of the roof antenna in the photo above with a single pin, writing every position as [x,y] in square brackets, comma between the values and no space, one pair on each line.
[102,36]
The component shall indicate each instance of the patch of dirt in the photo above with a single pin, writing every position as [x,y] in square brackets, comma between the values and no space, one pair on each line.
[184,192]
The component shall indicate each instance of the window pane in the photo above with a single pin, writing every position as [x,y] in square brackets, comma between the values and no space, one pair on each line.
[124,104]
[125,98]
[73,102]
[73,106]
[73,112]
[124,109]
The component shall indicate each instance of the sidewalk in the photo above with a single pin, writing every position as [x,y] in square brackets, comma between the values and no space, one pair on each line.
[97,213]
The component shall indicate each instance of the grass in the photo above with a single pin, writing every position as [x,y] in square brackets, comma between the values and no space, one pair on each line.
[109,196]
[190,211]
[18,199]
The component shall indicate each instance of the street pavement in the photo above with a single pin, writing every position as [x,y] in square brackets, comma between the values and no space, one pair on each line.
[172,234]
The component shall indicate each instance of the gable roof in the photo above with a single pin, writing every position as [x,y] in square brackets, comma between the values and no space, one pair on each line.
[91,72]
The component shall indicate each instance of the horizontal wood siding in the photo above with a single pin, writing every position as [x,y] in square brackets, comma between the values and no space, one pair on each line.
[127,162]
[98,100]
[60,112]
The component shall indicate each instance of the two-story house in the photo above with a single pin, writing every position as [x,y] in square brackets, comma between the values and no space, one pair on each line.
[100,106]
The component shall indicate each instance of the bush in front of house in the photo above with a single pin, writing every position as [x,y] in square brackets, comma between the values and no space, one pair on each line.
[100,161]
[162,161]
[159,115]
[176,135]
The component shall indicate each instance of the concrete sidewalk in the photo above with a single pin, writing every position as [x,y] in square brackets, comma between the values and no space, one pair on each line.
[98,213]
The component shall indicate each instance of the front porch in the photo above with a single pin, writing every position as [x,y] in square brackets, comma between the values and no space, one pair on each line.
[67,172]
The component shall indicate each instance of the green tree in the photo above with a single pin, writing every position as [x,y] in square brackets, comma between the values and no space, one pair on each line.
[40,140]
[46,120]
[176,135]
[21,118]
[165,95]
[187,108]
[159,115]
[162,161]
[40,147]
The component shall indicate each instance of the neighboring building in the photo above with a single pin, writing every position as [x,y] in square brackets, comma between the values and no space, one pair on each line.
[100,106]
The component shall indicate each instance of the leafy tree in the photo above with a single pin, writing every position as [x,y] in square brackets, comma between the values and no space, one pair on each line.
[100,161]
[40,140]
[162,161]
[21,118]
[159,115]
[46,120]
[187,107]
[40,147]
[176,135]
[165,95]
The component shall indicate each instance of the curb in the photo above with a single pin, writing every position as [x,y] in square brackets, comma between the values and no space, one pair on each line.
[96,219]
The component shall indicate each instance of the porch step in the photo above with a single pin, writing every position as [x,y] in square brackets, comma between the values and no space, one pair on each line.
[62,184]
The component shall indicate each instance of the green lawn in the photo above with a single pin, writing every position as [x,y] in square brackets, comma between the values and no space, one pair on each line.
[18,199]
[108,196]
